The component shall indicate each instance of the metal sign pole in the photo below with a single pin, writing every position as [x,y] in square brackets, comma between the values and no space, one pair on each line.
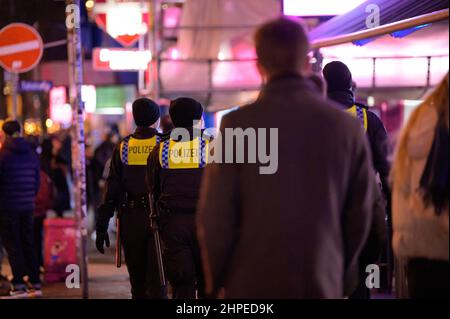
[141,42]
[14,94]
[75,61]
[153,44]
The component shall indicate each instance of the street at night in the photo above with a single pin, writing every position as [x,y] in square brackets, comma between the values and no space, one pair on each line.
[222,158]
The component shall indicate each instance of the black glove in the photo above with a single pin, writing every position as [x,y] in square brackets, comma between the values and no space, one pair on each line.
[102,240]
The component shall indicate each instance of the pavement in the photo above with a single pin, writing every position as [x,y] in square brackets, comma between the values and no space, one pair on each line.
[106,281]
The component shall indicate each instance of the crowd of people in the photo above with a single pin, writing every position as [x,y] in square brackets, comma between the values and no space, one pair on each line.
[51,198]
[333,207]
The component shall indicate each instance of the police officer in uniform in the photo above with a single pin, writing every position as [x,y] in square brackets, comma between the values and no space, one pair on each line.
[340,89]
[175,168]
[126,191]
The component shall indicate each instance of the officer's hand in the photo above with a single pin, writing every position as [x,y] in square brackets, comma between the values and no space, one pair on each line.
[102,240]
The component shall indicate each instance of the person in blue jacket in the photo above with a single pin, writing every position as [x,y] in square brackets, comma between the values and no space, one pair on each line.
[19,184]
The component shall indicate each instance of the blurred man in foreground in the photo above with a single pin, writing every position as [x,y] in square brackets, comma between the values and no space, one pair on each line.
[296,233]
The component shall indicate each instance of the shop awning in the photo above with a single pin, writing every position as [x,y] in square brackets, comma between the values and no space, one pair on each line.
[390,11]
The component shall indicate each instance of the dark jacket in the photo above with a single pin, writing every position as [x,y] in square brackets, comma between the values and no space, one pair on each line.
[45,195]
[19,176]
[175,189]
[101,156]
[296,233]
[123,179]
[377,135]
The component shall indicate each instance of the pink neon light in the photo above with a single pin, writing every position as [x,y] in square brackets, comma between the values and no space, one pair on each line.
[243,51]
[319,7]
[60,111]
[174,54]
[172,17]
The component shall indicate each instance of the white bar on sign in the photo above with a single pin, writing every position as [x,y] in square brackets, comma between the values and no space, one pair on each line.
[19,47]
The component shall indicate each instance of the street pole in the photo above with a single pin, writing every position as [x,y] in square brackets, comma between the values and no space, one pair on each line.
[14,94]
[141,46]
[75,62]
[153,44]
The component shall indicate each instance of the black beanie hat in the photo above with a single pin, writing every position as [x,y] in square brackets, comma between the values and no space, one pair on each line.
[184,111]
[338,76]
[145,112]
[11,127]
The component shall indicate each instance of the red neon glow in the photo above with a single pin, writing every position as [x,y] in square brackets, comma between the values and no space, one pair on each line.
[109,15]
[242,50]
[115,59]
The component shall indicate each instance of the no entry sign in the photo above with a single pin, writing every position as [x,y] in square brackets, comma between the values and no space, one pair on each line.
[20,48]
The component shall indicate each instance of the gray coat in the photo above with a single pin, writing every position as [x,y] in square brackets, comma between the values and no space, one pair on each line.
[296,233]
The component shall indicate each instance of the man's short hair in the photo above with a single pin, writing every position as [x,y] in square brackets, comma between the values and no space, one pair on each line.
[11,127]
[282,46]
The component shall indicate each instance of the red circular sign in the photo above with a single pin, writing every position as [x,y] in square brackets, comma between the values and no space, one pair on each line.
[21,48]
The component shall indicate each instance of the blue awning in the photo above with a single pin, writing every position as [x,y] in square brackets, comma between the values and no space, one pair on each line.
[390,11]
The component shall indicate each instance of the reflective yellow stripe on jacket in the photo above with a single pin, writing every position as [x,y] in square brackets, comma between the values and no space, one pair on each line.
[360,113]
[182,155]
[135,151]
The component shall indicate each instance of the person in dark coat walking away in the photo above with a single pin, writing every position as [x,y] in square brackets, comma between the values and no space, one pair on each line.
[19,184]
[340,88]
[297,230]
[126,191]
[175,187]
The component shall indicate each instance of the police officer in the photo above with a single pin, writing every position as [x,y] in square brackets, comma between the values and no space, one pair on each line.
[174,174]
[340,88]
[126,191]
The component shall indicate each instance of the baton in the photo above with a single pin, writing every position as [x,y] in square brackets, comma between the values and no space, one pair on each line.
[118,244]
[155,231]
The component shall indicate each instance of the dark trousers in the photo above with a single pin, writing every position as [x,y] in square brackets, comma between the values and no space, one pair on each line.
[38,237]
[140,254]
[16,230]
[427,279]
[182,256]
[361,291]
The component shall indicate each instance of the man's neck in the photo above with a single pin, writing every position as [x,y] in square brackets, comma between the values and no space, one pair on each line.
[279,76]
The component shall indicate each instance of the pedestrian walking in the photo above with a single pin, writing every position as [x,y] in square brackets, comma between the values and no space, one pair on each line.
[19,184]
[296,232]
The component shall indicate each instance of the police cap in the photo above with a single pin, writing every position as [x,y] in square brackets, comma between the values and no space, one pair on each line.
[184,111]
[145,112]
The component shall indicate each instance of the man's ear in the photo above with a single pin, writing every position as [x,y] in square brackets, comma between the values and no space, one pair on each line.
[156,124]
[262,71]
[306,67]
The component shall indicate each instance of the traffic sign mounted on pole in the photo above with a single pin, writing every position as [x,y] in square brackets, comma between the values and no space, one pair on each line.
[21,48]
[126,21]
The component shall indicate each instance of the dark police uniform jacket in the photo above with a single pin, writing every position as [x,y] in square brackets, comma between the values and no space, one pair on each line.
[175,171]
[375,132]
[126,179]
